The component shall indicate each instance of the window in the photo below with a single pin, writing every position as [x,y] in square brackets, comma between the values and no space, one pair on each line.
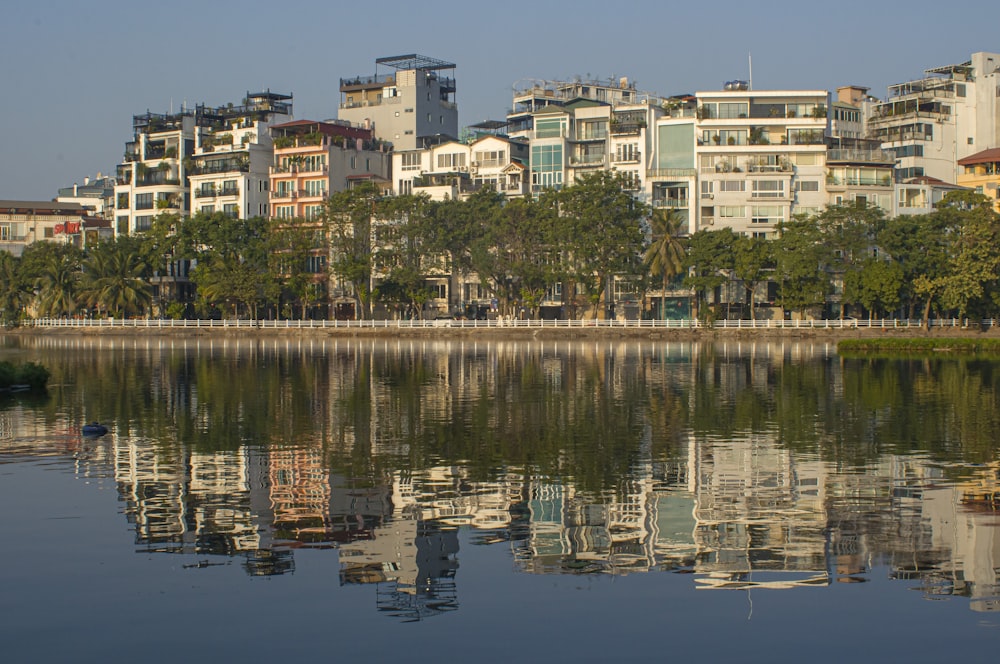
[550,128]
[315,264]
[314,212]
[143,223]
[807,185]
[144,201]
[405,187]
[768,188]
[732,185]
[207,209]
[316,187]
[767,214]
[409,161]
[627,152]
[284,211]
[231,210]
[229,188]
[354,163]
[490,158]
[707,188]
[546,167]
[452,160]
[732,211]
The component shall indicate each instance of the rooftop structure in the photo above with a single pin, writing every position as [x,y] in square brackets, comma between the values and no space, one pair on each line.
[410,105]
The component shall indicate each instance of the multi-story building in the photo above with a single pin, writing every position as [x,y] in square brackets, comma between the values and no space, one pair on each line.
[153,176]
[761,157]
[452,170]
[314,159]
[98,195]
[411,105]
[229,170]
[579,127]
[931,123]
[25,222]
[981,173]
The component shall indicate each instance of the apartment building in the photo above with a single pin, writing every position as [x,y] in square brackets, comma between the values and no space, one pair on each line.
[931,123]
[25,222]
[152,178]
[761,157]
[453,170]
[409,101]
[229,169]
[97,195]
[314,159]
[981,173]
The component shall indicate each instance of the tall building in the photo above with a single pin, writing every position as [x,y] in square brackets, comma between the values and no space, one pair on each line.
[229,170]
[761,157]
[931,123]
[222,147]
[578,127]
[314,159]
[409,101]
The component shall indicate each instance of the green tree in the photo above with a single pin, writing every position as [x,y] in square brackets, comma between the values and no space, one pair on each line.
[664,258]
[849,234]
[800,255]
[876,286]
[709,258]
[114,278]
[57,276]
[602,231]
[15,290]
[753,264]
[348,218]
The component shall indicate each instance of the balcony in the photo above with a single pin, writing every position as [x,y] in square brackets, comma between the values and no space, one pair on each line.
[204,193]
[671,202]
[884,181]
[590,136]
[671,173]
[586,161]
[860,157]
[627,128]
[229,191]
[633,158]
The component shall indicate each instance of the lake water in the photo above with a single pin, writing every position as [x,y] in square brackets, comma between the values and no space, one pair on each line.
[264,500]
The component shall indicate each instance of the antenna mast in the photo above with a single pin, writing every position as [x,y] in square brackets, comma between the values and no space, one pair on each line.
[750,62]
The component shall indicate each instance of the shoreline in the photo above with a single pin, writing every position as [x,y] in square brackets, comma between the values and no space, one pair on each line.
[514,333]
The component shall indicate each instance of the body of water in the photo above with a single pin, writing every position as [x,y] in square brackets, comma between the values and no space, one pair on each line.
[497,501]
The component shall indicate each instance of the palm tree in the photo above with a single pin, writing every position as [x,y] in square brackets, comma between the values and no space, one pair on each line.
[15,291]
[665,255]
[58,283]
[114,280]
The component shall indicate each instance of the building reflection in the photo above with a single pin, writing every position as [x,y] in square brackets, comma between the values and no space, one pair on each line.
[384,478]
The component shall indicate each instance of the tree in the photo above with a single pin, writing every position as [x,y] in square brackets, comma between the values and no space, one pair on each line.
[601,231]
[876,286]
[401,253]
[709,257]
[232,261]
[849,234]
[753,263]
[664,258]
[348,219]
[57,270]
[114,278]
[800,255]
[15,290]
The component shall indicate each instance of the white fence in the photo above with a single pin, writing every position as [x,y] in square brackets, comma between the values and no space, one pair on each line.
[494,324]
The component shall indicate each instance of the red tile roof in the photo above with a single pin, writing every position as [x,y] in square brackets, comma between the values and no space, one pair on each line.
[984,157]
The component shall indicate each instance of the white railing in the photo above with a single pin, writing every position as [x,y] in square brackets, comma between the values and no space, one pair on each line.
[155,323]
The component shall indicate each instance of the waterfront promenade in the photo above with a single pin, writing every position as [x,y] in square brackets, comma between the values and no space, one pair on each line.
[546,329]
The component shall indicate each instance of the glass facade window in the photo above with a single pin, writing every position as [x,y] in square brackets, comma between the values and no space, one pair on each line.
[546,167]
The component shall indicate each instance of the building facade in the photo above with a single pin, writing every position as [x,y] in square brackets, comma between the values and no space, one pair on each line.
[409,103]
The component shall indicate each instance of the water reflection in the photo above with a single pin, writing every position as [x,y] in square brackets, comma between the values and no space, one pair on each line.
[763,465]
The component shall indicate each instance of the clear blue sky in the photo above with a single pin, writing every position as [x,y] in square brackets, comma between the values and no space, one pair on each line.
[74,73]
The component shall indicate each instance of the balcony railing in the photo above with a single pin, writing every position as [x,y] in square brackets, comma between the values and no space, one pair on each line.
[860,156]
[586,161]
[885,181]
[633,158]
[661,173]
[671,202]
[229,191]
[204,193]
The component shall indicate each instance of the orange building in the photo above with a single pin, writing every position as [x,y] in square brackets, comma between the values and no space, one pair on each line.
[981,172]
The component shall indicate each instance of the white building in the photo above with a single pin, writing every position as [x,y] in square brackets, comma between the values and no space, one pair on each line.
[452,170]
[932,122]
[229,170]
[411,106]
